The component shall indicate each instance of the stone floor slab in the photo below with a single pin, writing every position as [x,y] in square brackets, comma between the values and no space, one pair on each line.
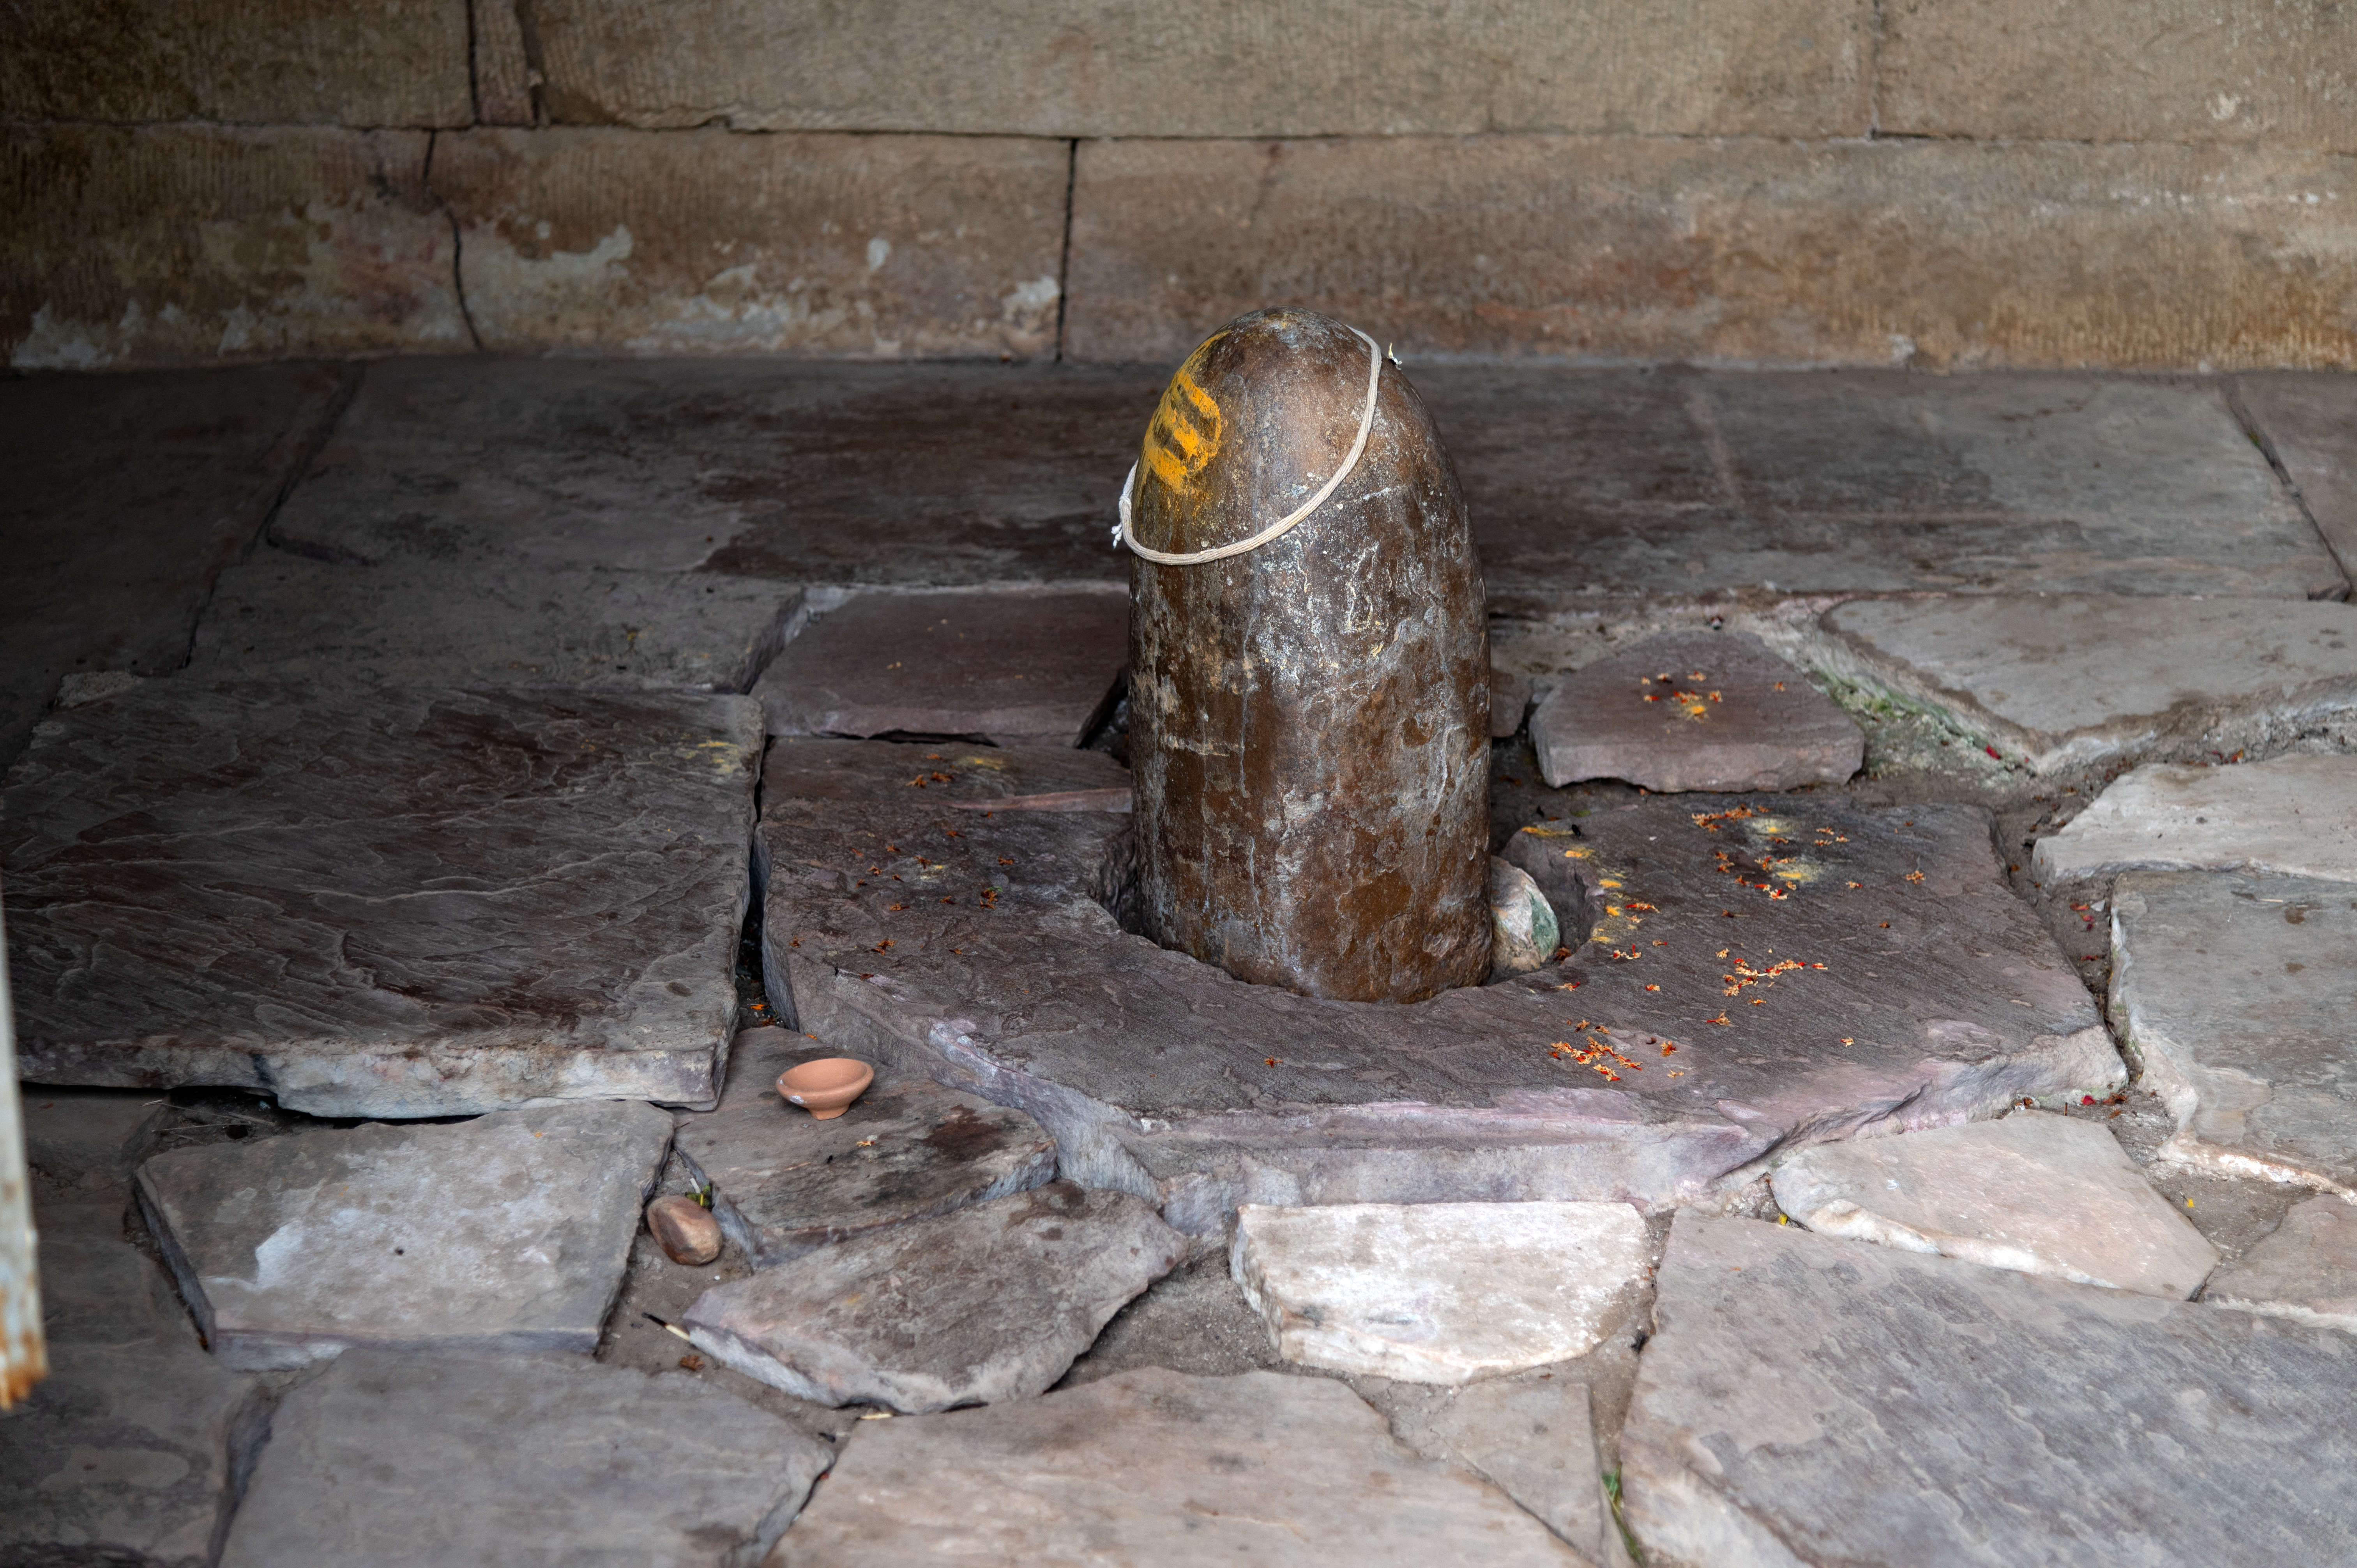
[133,1447]
[2235,992]
[1808,1399]
[2075,680]
[451,1460]
[989,1303]
[409,622]
[403,903]
[2309,422]
[2307,1269]
[509,1232]
[1436,1293]
[1941,996]
[2295,815]
[1154,1467]
[1694,711]
[1532,1436]
[1014,668]
[784,1183]
[126,496]
[2035,1192]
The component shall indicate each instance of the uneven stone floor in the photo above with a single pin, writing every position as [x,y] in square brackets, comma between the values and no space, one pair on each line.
[1934,1169]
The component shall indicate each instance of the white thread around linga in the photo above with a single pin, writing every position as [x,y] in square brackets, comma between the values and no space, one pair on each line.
[1123,536]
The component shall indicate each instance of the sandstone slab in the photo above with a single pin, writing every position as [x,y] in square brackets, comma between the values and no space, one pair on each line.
[132,1449]
[1016,667]
[127,496]
[2040,1193]
[920,475]
[1436,1293]
[2307,1269]
[2233,992]
[388,1459]
[78,1140]
[407,903]
[990,1303]
[1806,1399]
[1922,254]
[2072,681]
[1694,711]
[2305,421]
[429,623]
[282,240]
[1158,1467]
[1532,1436]
[2293,815]
[784,1183]
[877,247]
[1006,971]
[509,1232]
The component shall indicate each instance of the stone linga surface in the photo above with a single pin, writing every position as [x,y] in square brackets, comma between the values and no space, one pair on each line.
[393,1461]
[1016,667]
[2236,994]
[2040,1193]
[1805,1400]
[396,903]
[992,1301]
[1436,1293]
[784,1182]
[1694,711]
[511,1231]
[1156,1468]
[2297,815]
[1692,1036]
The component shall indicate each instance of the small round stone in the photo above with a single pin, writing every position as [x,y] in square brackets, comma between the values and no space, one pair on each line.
[685,1230]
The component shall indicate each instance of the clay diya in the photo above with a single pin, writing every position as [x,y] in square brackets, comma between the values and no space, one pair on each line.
[827,1087]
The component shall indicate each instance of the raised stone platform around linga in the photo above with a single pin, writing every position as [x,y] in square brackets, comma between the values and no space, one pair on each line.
[1696,1033]
[402,903]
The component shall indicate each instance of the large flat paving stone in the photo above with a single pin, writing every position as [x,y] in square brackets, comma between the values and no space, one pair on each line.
[881,474]
[991,1303]
[396,903]
[784,1183]
[2074,679]
[2310,421]
[1013,668]
[2235,992]
[2040,1193]
[1436,1293]
[386,1459]
[2296,815]
[511,1231]
[1673,482]
[2306,1269]
[1158,1467]
[132,1449]
[1807,1400]
[1531,1435]
[971,946]
[1694,711]
[126,496]
[409,622]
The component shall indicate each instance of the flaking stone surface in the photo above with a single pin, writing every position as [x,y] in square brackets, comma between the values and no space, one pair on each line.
[397,903]
[511,1231]
[2236,991]
[784,1183]
[1694,711]
[389,1461]
[1808,1399]
[1436,1293]
[1001,972]
[2296,815]
[990,1303]
[1019,666]
[1156,1468]
[2040,1193]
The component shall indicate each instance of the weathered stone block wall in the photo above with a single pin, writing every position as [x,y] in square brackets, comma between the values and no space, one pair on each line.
[2148,183]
